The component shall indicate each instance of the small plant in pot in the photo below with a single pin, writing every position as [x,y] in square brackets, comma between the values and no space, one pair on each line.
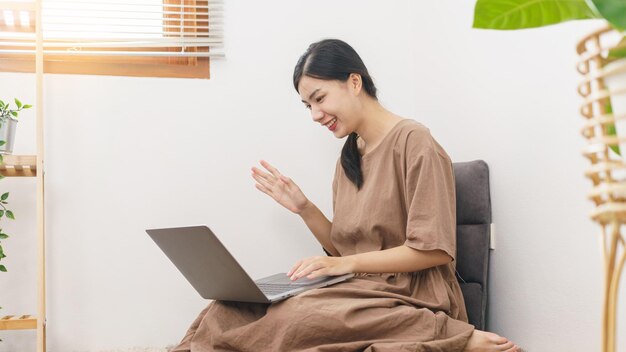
[8,123]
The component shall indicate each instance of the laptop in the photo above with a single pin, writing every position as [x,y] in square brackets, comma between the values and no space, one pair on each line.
[215,274]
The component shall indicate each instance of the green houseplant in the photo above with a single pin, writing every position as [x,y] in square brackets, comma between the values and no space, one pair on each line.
[8,123]
[610,105]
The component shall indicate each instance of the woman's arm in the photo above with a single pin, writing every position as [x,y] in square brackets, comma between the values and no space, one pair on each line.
[287,193]
[394,260]
[399,259]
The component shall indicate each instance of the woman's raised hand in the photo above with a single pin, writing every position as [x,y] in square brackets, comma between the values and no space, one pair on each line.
[280,187]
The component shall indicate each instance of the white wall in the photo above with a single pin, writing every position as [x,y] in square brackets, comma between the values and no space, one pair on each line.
[125,154]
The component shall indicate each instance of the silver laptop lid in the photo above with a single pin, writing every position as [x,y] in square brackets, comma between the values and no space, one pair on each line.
[207,264]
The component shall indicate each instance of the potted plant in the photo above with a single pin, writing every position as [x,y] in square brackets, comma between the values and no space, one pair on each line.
[8,123]
[605,110]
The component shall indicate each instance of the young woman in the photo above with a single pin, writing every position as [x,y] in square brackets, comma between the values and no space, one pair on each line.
[393,226]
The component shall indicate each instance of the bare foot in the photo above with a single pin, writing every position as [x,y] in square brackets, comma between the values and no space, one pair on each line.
[483,341]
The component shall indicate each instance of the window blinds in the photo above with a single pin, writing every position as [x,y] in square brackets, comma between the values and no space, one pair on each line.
[146,28]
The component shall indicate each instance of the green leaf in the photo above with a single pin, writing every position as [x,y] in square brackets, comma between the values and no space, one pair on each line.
[18,103]
[27,106]
[3,236]
[14,113]
[4,196]
[1,213]
[613,11]
[2,143]
[1,104]
[10,215]
[508,14]
[3,268]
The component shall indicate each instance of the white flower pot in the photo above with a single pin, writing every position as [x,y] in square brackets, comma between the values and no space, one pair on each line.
[7,134]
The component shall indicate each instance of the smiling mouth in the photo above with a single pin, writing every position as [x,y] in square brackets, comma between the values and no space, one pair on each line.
[331,122]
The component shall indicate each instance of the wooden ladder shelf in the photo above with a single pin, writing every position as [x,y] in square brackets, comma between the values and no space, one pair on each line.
[32,166]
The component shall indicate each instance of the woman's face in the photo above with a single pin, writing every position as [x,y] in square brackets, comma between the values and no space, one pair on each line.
[332,103]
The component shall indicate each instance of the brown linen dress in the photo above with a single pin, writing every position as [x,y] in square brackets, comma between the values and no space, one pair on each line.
[407,198]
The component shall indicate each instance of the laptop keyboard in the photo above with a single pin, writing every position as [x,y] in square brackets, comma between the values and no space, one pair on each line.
[274,289]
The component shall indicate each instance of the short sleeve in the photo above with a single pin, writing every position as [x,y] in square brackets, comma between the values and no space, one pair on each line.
[430,197]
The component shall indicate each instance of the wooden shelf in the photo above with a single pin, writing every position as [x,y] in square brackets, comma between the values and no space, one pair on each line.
[24,322]
[19,166]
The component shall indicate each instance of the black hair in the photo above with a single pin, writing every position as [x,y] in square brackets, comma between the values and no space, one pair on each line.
[333,59]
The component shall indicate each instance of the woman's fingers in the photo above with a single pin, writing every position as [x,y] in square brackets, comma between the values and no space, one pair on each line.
[279,187]
[270,168]
[294,268]
[307,267]
[311,268]
[273,177]
[263,174]
[306,270]
[297,269]
[268,182]
[264,182]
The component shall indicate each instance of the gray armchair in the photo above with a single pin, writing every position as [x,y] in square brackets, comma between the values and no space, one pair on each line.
[473,218]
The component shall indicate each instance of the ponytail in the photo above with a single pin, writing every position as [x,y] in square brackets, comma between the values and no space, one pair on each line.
[351,160]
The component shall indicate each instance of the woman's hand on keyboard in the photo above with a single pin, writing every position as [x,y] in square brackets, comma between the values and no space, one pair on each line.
[314,267]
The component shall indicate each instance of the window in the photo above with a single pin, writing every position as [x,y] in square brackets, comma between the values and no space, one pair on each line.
[155,38]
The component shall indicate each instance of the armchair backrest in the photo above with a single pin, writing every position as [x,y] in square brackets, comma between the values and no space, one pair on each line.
[473,212]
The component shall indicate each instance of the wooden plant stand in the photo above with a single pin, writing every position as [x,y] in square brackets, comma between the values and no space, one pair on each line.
[607,170]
